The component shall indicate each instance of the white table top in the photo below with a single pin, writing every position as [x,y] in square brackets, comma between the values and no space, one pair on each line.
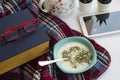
[110,42]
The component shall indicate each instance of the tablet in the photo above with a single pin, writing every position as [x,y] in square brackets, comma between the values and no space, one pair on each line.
[100,24]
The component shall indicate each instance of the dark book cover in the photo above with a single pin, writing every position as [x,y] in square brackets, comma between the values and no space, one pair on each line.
[25,41]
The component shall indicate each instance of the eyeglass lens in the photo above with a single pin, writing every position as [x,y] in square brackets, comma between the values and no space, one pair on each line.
[12,36]
[31,27]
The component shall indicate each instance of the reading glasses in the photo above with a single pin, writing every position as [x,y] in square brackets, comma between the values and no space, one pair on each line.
[13,33]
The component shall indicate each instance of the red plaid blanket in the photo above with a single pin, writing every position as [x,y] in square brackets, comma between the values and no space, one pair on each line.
[57,30]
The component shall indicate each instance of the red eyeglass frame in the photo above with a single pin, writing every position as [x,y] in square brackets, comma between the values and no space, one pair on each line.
[17,27]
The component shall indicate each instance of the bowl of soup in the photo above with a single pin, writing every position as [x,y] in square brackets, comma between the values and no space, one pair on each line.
[78,52]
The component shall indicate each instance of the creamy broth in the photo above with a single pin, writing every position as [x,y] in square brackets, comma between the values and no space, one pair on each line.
[67,64]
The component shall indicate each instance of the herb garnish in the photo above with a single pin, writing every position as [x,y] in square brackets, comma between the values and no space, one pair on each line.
[76,55]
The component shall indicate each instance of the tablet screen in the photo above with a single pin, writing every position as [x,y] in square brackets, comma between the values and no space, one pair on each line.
[102,23]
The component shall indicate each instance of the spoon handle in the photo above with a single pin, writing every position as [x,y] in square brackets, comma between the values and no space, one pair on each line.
[43,63]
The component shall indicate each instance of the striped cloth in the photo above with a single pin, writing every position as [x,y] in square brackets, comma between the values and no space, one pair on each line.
[57,30]
[12,6]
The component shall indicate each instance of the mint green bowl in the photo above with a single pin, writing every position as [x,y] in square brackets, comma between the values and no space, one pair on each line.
[82,40]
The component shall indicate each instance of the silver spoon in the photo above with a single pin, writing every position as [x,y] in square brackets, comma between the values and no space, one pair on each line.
[43,63]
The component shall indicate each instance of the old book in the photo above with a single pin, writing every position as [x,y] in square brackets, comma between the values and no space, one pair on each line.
[27,47]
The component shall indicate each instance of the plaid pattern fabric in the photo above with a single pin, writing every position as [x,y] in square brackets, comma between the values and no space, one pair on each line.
[58,30]
[12,6]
